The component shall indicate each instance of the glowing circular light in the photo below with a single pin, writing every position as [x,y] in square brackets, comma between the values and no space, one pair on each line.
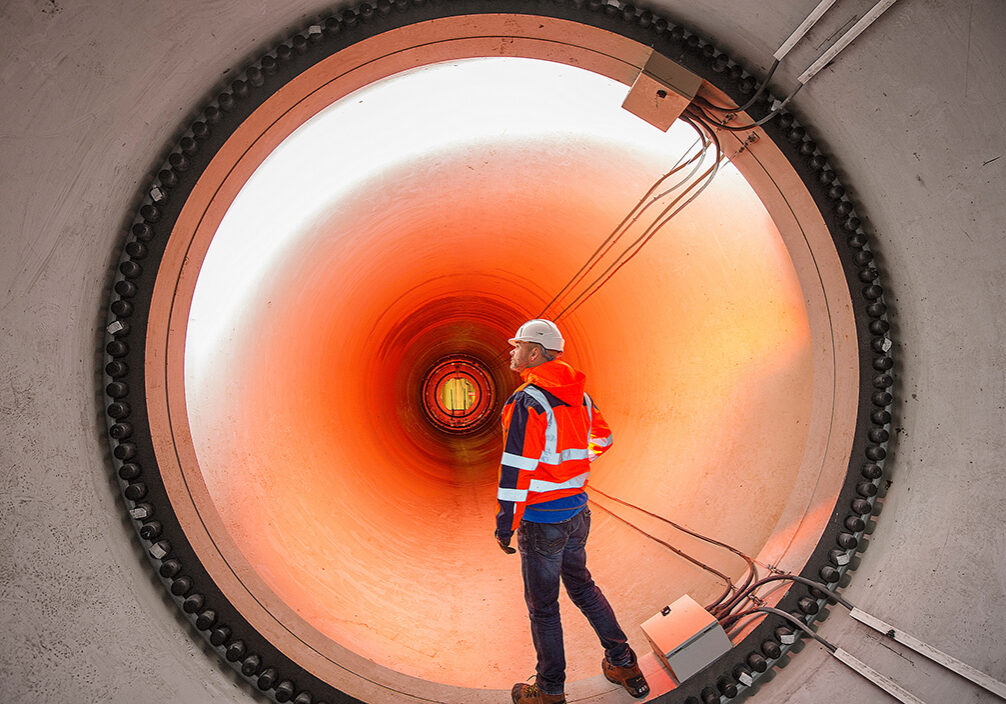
[458,395]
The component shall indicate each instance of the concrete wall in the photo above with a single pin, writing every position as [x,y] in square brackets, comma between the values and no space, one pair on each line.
[90,95]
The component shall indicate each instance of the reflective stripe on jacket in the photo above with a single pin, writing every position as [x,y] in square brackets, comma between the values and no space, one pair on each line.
[552,431]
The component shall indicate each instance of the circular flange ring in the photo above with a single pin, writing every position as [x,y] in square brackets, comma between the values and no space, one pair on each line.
[614,39]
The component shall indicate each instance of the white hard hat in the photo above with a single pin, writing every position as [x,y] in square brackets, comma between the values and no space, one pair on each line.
[544,332]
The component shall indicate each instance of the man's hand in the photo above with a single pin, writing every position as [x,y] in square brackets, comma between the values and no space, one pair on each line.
[503,539]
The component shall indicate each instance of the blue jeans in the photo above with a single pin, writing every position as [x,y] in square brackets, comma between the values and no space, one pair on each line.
[550,551]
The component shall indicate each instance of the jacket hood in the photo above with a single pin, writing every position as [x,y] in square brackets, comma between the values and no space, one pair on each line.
[557,378]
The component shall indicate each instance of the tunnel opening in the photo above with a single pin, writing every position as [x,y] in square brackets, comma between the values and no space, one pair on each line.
[297,320]
[409,279]
[459,396]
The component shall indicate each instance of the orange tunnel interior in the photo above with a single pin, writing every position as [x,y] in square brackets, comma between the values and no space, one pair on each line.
[375,525]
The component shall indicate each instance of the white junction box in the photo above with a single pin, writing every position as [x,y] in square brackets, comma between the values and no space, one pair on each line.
[686,637]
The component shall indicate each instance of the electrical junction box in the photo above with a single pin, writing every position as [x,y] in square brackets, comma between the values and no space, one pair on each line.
[686,637]
[661,91]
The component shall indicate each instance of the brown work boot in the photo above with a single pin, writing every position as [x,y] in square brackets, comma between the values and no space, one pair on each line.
[630,677]
[530,694]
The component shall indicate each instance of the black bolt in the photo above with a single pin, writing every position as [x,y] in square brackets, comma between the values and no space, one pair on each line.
[143,232]
[117,389]
[796,134]
[881,398]
[829,574]
[235,651]
[149,531]
[879,435]
[181,586]
[192,603]
[121,431]
[808,605]
[116,369]
[126,451]
[873,292]
[129,471]
[866,489]
[169,568]
[876,453]
[168,178]
[267,679]
[284,691]
[855,524]
[122,308]
[727,688]
[118,410]
[847,541]
[858,241]
[206,619]
[756,662]
[882,364]
[871,471]
[126,289]
[117,348]
[135,491]
[861,506]
[220,635]
[876,309]
[130,269]
[150,213]
[179,162]
[200,131]
[250,665]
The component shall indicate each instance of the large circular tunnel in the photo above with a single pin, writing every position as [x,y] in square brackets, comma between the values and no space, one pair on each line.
[332,262]
[372,522]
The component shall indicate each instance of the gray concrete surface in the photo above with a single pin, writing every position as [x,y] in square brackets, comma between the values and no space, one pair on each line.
[91,93]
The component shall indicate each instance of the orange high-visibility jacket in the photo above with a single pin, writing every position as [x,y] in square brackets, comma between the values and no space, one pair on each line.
[552,431]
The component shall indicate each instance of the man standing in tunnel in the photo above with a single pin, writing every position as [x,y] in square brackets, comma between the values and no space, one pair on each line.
[551,433]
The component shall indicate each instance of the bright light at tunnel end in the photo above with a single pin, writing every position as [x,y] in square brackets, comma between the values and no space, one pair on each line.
[459,395]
